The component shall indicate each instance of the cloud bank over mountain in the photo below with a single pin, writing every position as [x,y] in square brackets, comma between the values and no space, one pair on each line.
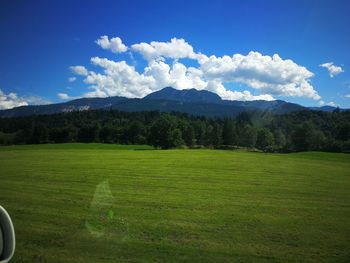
[12,100]
[265,77]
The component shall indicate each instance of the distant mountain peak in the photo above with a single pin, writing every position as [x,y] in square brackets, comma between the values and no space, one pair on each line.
[191,101]
[185,95]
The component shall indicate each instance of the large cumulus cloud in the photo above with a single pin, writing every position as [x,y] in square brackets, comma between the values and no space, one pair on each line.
[267,76]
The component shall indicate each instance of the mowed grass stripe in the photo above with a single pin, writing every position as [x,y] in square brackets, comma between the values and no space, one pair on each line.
[179,205]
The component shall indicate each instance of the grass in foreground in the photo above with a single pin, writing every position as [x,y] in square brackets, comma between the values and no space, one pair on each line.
[103,203]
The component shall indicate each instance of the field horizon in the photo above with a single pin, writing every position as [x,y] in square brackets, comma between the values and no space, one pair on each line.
[129,203]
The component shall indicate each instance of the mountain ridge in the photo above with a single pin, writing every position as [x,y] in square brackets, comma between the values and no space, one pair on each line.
[192,101]
[187,95]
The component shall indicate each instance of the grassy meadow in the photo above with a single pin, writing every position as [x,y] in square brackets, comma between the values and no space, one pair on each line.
[112,203]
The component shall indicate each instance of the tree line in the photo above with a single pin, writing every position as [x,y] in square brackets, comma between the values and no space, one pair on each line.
[299,131]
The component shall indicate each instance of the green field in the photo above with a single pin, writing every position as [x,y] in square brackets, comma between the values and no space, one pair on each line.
[110,203]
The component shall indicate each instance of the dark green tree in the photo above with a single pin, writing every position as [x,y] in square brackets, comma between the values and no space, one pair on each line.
[265,140]
[107,134]
[279,139]
[187,131]
[60,135]
[343,131]
[39,134]
[247,136]
[302,137]
[216,135]
[164,133]
[199,131]
[136,133]
[229,135]
[88,133]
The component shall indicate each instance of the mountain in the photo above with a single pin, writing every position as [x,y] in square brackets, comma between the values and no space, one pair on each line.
[188,95]
[326,108]
[191,101]
[74,105]
[204,96]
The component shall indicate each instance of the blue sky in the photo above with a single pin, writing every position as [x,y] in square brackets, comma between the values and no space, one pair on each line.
[42,40]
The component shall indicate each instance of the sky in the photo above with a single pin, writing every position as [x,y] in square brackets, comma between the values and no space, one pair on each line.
[54,51]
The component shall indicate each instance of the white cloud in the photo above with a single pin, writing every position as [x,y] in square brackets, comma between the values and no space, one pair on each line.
[185,78]
[176,75]
[79,70]
[269,76]
[11,100]
[119,79]
[347,95]
[36,100]
[217,87]
[175,49]
[63,96]
[332,69]
[331,103]
[72,79]
[114,44]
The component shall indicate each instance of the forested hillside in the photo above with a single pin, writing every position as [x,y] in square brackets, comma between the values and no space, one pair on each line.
[298,131]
